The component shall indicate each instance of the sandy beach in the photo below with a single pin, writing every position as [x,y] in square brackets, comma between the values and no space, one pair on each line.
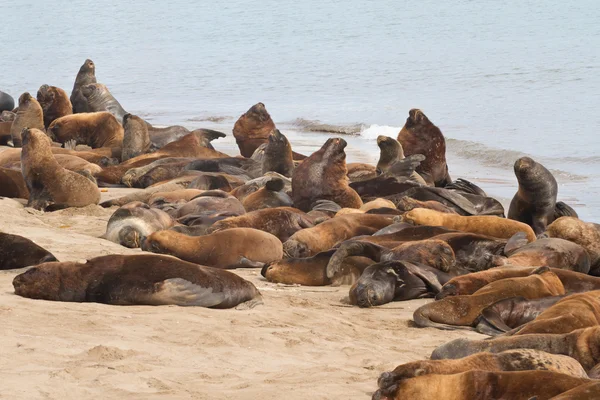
[302,343]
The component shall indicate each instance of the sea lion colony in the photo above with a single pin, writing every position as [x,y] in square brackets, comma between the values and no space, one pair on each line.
[397,231]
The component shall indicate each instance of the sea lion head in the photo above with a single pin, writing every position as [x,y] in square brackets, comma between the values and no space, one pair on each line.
[416,117]
[376,285]
[276,138]
[525,168]
[53,130]
[45,282]
[44,94]
[334,149]
[130,237]
[390,150]
[24,99]
[88,66]
[258,112]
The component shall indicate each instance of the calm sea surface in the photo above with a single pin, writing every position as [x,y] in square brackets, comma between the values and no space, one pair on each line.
[500,80]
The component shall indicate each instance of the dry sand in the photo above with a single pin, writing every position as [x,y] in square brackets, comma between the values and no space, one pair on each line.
[303,343]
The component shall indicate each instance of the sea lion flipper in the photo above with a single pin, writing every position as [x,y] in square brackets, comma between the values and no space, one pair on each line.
[517,241]
[184,293]
[406,166]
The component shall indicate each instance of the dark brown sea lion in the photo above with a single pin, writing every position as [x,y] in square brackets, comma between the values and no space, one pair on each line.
[142,279]
[535,201]
[12,184]
[30,115]
[49,184]
[132,223]
[231,248]
[7,103]
[100,99]
[244,168]
[19,252]
[253,129]
[588,391]
[583,345]
[323,176]
[278,155]
[85,76]
[212,200]
[584,234]
[269,196]
[136,140]
[460,312]
[390,155]
[421,136]
[97,129]
[54,102]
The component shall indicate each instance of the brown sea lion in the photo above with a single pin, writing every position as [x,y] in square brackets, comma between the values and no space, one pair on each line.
[49,184]
[269,196]
[132,176]
[322,176]
[211,200]
[390,153]
[421,136]
[30,115]
[482,385]
[231,248]
[278,155]
[5,136]
[141,279]
[584,234]
[535,201]
[19,252]
[132,223]
[407,204]
[12,184]
[310,241]
[85,76]
[70,162]
[582,345]
[54,102]
[97,129]
[460,312]
[481,224]
[100,99]
[136,140]
[377,203]
[161,173]
[587,391]
[253,129]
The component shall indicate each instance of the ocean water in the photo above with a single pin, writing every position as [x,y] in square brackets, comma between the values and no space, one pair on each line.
[500,79]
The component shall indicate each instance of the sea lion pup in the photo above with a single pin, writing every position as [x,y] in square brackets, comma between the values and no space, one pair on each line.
[85,76]
[253,129]
[587,391]
[535,201]
[462,312]
[132,223]
[322,176]
[231,248]
[482,385]
[421,136]
[30,115]
[269,196]
[310,241]
[96,129]
[390,153]
[278,155]
[141,279]
[136,140]
[50,185]
[99,98]
[481,224]
[406,204]
[19,252]
[55,103]
[12,184]
[211,200]
[7,103]
[584,234]
[397,280]
[282,222]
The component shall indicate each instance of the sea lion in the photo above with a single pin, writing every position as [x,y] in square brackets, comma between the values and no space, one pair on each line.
[310,241]
[481,224]
[160,137]
[269,196]
[231,248]
[49,184]
[5,136]
[55,103]
[253,129]
[535,201]
[30,115]
[483,385]
[462,312]
[95,129]
[182,196]
[360,171]
[132,223]
[584,234]
[160,173]
[390,153]
[278,155]
[407,203]
[141,279]
[244,168]
[420,136]
[19,252]
[132,176]
[211,200]
[7,103]
[582,345]
[136,140]
[199,224]
[99,99]
[85,76]
[322,176]
[12,184]
[587,391]
[375,204]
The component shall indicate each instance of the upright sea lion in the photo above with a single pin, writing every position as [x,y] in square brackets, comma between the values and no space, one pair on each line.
[390,155]
[49,184]
[231,248]
[253,129]
[54,102]
[278,155]
[96,129]
[421,136]
[99,99]
[136,140]
[85,76]
[141,279]
[584,234]
[481,224]
[322,176]
[7,103]
[269,196]
[535,201]
[12,184]
[30,115]
[19,252]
